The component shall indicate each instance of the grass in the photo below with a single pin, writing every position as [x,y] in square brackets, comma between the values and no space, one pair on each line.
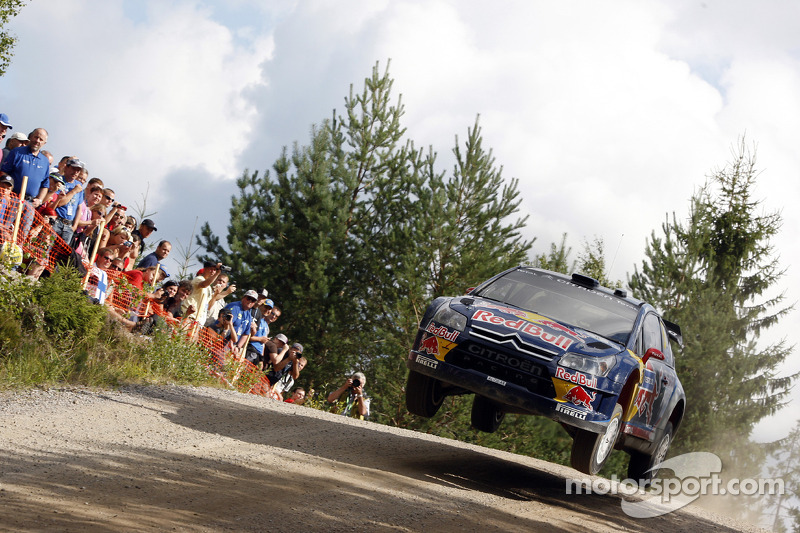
[51,334]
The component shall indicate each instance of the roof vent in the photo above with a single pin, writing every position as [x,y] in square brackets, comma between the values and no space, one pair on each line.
[622,293]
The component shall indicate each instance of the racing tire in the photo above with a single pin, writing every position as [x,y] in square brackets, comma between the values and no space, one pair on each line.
[591,450]
[424,394]
[486,415]
[640,467]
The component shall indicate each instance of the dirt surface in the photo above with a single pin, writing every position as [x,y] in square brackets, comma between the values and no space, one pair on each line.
[202,459]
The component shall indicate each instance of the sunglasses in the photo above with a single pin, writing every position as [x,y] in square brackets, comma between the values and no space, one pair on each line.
[107,197]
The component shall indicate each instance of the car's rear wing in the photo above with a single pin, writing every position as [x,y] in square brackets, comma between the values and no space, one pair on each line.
[674,332]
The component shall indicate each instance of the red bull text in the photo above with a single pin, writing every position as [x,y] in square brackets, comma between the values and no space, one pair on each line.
[524,326]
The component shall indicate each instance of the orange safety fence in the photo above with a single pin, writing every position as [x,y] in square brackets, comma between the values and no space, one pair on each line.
[42,249]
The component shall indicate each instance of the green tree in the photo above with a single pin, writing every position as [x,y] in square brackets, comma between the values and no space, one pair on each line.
[713,275]
[356,232]
[8,9]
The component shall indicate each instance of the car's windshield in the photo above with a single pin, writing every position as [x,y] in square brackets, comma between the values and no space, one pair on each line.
[564,301]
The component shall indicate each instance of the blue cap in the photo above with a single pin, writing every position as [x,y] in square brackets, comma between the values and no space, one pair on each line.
[5,121]
[269,303]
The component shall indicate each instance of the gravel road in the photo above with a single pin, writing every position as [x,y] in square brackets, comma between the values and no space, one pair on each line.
[204,459]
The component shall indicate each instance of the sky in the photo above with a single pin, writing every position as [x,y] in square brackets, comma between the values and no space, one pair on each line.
[610,114]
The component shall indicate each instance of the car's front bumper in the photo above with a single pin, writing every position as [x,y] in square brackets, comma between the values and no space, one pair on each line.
[519,399]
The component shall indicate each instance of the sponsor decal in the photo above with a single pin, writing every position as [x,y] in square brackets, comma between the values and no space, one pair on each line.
[441,331]
[647,395]
[427,361]
[579,396]
[505,360]
[525,326]
[571,411]
[495,380]
[429,345]
[531,317]
[649,381]
[577,378]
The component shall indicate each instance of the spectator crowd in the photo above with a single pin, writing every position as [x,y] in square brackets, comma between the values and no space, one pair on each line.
[61,215]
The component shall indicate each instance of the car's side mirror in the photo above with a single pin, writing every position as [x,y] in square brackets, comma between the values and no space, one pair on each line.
[469,291]
[653,352]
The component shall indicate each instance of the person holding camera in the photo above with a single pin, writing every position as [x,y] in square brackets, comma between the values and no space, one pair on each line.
[284,372]
[202,292]
[356,401]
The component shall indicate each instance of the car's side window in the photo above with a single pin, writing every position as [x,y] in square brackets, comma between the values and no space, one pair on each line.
[651,331]
[669,359]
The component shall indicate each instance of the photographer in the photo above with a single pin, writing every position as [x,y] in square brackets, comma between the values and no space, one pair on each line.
[356,401]
[287,370]
[202,292]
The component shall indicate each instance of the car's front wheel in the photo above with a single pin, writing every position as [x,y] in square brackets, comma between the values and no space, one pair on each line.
[591,450]
[424,394]
[486,415]
[640,467]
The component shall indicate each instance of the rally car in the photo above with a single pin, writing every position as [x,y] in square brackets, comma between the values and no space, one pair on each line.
[537,342]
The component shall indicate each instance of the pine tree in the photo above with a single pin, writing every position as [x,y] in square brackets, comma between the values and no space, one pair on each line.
[354,234]
[711,274]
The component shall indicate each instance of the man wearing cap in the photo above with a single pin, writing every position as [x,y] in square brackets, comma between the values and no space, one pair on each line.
[242,316]
[259,333]
[69,200]
[15,141]
[202,292]
[285,371]
[29,161]
[146,228]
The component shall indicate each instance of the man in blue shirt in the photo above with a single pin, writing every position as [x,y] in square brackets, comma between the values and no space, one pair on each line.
[69,200]
[29,161]
[242,317]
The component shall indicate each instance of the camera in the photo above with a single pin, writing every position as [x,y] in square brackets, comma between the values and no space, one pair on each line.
[356,383]
[225,268]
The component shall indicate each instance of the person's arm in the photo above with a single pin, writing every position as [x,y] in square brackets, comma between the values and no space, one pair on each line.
[277,357]
[220,294]
[280,365]
[334,396]
[207,281]
[65,198]
[362,403]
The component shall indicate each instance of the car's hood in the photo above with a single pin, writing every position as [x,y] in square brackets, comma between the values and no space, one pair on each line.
[503,324]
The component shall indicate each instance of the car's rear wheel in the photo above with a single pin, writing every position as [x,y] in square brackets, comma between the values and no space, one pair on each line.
[424,394]
[591,450]
[486,415]
[641,464]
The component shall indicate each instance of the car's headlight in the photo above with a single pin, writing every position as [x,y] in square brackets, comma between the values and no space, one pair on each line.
[450,318]
[596,366]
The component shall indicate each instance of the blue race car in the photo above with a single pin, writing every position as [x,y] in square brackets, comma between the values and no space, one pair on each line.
[537,342]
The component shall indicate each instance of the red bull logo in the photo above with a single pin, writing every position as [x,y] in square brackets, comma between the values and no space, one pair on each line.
[443,332]
[577,378]
[525,326]
[578,396]
[429,345]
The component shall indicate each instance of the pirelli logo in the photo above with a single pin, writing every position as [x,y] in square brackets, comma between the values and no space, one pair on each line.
[571,411]
[427,361]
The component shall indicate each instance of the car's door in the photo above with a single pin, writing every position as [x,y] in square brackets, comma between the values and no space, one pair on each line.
[658,385]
